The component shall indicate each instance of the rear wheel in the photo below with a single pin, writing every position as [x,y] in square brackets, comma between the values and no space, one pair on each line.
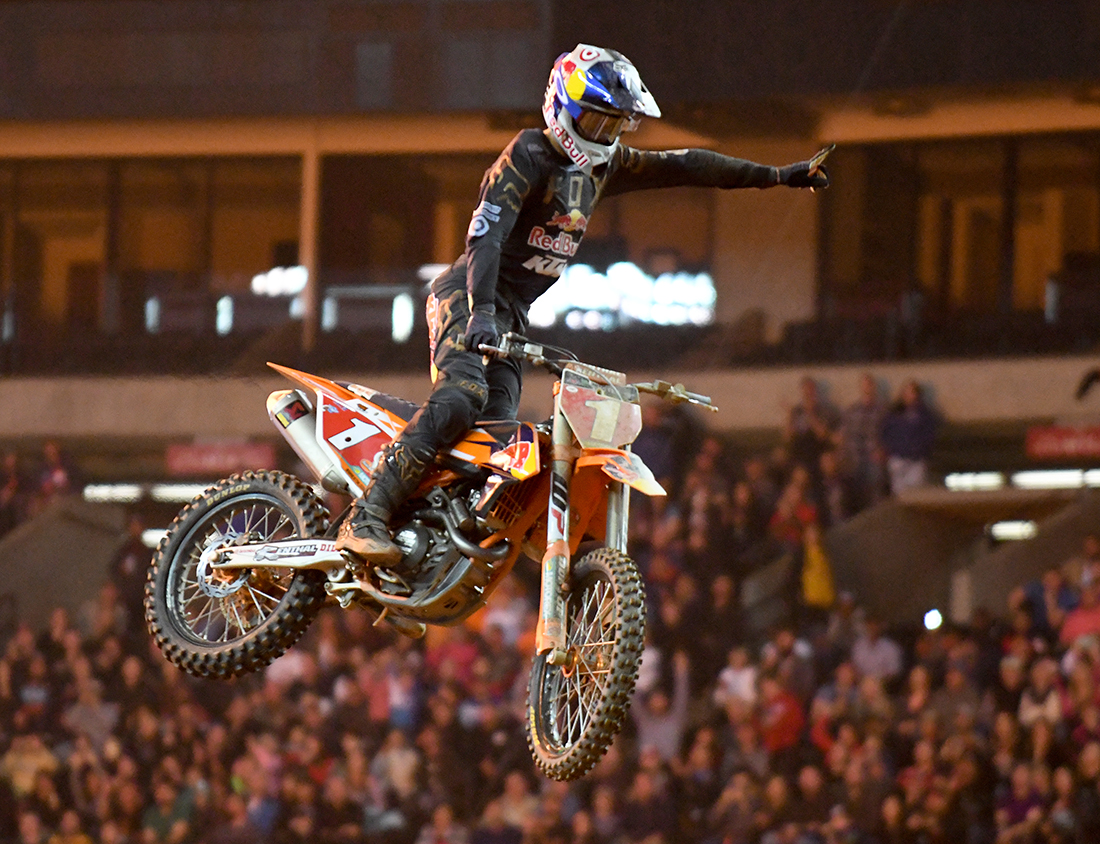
[574,711]
[225,623]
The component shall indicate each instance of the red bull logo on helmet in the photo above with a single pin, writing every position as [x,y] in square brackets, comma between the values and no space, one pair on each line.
[567,143]
[574,221]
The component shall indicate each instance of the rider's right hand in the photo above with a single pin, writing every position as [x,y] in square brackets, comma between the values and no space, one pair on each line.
[481,328]
[803,174]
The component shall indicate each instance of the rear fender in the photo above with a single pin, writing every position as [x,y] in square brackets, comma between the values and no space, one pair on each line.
[350,427]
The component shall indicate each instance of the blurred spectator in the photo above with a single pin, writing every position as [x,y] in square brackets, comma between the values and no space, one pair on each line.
[843,628]
[517,803]
[747,524]
[908,434]
[90,715]
[862,455]
[14,492]
[811,428]
[818,586]
[25,759]
[31,830]
[1084,568]
[339,816]
[706,511]
[737,681]
[167,821]
[129,569]
[793,511]
[835,498]
[781,721]
[722,629]
[57,477]
[763,485]
[813,801]
[1041,698]
[1084,619]
[607,817]
[70,830]
[661,721]
[103,616]
[1020,810]
[1049,599]
[790,658]
[875,654]
[236,827]
[957,698]
[493,828]
[1004,695]
[649,814]
[443,828]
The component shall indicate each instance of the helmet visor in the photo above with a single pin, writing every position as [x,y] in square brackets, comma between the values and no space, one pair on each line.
[602,128]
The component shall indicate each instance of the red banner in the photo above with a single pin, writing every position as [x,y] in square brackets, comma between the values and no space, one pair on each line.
[217,458]
[1058,442]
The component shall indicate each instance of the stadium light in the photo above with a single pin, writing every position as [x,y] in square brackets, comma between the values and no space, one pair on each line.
[1013,530]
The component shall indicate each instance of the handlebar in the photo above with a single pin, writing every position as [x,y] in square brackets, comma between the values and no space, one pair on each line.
[675,393]
[520,348]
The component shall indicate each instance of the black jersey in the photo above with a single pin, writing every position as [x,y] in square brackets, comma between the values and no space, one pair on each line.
[535,204]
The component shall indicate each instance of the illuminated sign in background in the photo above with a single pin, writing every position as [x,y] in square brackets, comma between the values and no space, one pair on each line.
[581,299]
[625,294]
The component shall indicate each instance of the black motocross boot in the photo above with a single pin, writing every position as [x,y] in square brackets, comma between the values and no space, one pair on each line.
[365,532]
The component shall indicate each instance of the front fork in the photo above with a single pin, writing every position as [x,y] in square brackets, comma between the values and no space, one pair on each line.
[551,632]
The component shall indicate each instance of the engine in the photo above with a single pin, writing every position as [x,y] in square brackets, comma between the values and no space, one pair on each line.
[428,550]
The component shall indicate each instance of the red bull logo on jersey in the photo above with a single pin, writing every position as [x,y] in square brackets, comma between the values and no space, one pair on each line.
[574,221]
[563,244]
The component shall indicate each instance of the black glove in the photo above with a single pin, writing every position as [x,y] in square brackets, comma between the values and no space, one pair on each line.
[481,329]
[799,176]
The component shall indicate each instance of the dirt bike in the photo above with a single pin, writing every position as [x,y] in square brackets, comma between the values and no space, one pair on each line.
[247,565]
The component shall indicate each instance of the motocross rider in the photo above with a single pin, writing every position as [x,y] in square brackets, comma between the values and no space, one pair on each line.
[533,208]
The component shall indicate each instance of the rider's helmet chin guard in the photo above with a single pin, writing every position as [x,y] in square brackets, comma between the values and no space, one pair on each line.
[593,96]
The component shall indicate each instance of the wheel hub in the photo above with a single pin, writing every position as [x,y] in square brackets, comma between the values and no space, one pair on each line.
[571,660]
[219,583]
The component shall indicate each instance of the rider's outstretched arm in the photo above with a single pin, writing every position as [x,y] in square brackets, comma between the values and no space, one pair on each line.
[636,169]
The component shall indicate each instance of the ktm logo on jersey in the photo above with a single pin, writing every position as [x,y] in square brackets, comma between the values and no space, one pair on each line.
[545,265]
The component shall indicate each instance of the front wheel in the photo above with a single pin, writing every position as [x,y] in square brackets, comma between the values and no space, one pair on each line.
[226,623]
[574,711]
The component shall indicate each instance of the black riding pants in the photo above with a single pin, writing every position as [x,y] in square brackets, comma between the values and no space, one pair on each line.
[466,388]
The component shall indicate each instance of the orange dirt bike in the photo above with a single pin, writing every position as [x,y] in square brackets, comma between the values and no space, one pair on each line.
[247,565]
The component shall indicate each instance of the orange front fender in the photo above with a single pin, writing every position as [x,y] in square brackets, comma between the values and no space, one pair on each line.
[626,467]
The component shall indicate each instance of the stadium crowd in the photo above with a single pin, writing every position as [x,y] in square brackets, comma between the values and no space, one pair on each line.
[827,728]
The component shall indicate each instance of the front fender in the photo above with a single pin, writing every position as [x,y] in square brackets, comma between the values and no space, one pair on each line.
[626,467]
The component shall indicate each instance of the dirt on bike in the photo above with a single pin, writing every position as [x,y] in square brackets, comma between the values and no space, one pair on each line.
[247,565]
